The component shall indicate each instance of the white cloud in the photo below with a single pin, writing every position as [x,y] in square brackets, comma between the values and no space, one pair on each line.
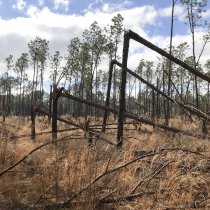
[59,29]
[32,11]
[96,6]
[40,2]
[135,18]
[140,16]
[179,13]
[109,8]
[138,51]
[20,4]
[206,14]
[61,3]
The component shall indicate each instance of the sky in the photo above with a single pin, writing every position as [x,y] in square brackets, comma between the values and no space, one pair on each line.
[61,20]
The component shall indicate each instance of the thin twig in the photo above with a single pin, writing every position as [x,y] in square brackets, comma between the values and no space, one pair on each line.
[152,174]
[108,195]
[107,166]
[127,198]
[183,150]
[106,201]
[41,196]
[175,149]
[160,169]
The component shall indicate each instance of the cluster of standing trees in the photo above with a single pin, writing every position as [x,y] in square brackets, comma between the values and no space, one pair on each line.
[81,72]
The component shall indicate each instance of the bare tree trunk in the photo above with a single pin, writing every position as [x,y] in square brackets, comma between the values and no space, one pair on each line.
[170,64]
[108,95]
[122,91]
[165,102]
[4,107]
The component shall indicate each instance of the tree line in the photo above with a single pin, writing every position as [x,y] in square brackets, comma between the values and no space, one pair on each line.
[81,71]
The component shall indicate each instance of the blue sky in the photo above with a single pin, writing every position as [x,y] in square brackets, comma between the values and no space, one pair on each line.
[7,9]
[61,20]
[18,8]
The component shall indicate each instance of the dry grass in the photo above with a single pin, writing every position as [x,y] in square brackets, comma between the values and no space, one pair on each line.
[174,176]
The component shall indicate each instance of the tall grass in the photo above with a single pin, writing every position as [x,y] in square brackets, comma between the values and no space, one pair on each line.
[176,175]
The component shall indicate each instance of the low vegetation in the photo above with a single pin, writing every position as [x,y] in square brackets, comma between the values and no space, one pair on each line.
[155,169]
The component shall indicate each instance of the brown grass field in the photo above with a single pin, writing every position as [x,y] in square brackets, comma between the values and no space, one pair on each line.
[155,169]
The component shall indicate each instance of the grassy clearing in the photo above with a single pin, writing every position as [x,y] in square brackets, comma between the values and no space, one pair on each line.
[154,170]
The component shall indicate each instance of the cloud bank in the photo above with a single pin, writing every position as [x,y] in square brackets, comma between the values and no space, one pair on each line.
[60,28]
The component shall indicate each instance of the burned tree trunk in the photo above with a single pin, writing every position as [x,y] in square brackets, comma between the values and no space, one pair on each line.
[122,90]
[33,116]
[108,94]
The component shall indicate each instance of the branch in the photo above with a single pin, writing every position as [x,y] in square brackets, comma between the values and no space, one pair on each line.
[43,133]
[99,203]
[127,198]
[108,195]
[160,169]
[174,149]
[152,174]
[204,45]
[149,154]
[67,203]
[203,113]
[35,149]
